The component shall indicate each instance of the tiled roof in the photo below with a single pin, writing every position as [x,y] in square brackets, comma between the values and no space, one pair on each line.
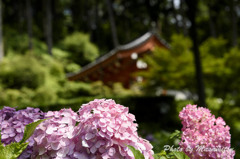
[137,42]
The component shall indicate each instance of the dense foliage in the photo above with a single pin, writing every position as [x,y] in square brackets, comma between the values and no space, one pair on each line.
[166,66]
[177,64]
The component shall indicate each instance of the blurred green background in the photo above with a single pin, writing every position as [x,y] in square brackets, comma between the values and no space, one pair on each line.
[41,41]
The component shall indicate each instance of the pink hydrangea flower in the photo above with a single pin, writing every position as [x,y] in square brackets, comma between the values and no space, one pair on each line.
[105,130]
[54,137]
[204,136]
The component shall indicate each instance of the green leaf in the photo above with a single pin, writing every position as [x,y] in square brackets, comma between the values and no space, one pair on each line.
[29,130]
[137,154]
[180,155]
[2,151]
[161,155]
[157,156]
[176,134]
[12,151]
[0,137]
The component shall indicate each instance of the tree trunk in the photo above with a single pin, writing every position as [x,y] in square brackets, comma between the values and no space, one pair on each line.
[174,11]
[192,7]
[1,36]
[29,24]
[112,23]
[182,13]
[48,26]
[212,26]
[213,15]
[234,23]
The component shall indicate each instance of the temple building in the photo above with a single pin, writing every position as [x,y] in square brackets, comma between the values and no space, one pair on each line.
[120,63]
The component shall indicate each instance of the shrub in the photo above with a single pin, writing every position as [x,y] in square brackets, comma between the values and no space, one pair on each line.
[21,71]
[72,89]
[81,49]
[26,79]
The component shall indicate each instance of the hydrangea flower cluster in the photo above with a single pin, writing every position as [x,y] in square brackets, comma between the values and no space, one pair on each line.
[101,130]
[204,136]
[12,124]
[105,130]
[54,137]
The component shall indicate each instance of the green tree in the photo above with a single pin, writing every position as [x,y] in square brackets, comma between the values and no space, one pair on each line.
[170,69]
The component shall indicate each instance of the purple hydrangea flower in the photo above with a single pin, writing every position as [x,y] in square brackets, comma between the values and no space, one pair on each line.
[12,124]
[6,113]
[204,136]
